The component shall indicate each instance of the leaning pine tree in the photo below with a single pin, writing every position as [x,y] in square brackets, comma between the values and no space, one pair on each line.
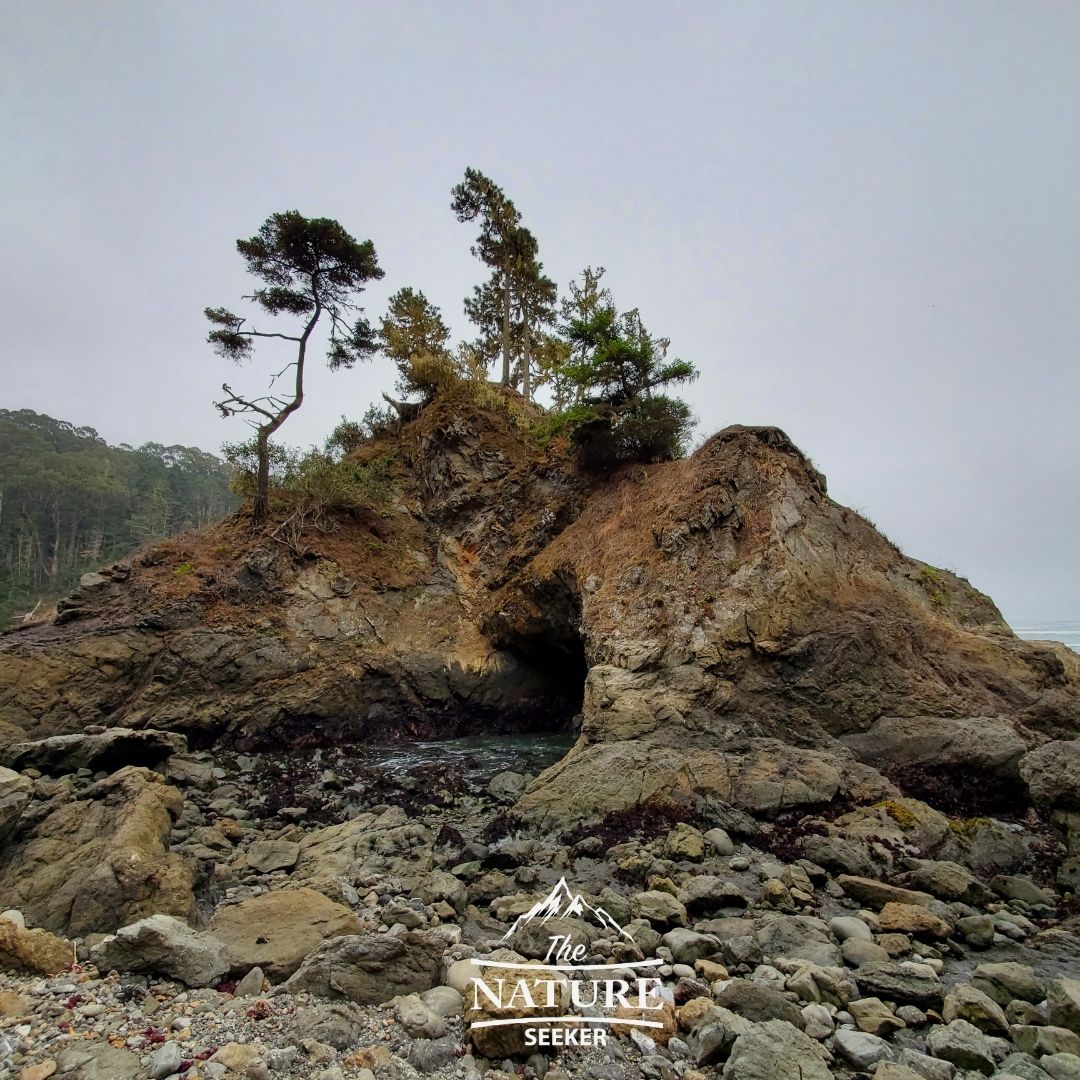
[310,267]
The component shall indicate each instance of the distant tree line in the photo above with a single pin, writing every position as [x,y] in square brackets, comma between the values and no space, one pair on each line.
[69,502]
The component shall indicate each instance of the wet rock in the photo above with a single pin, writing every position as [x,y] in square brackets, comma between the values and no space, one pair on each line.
[167,946]
[370,968]
[276,930]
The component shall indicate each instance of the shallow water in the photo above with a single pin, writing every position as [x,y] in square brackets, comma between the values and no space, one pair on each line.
[1067,632]
[477,756]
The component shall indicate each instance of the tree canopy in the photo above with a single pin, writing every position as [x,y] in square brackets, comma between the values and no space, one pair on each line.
[309,267]
[69,502]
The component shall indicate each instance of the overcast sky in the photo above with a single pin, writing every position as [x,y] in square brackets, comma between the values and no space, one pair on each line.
[861,221]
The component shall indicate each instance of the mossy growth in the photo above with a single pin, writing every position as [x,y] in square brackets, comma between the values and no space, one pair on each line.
[184,568]
[967,826]
[933,583]
[903,817]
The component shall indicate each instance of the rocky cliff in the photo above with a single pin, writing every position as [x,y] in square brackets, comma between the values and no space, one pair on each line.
[727,631]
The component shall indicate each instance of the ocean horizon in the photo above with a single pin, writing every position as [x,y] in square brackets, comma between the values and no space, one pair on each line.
[1067,631]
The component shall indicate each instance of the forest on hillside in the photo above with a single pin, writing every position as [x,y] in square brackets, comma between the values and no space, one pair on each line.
[69,502]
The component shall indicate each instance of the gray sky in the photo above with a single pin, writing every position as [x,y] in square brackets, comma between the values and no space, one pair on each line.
[862,221]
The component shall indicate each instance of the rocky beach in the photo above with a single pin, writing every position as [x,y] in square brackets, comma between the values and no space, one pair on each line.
[263,803]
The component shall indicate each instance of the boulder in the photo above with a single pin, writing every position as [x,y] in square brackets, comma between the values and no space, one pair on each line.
[688,946]
[963,1044]
[776,1050]
[268,855]
[508,1041]
[1063,1003]
[1005,981]
[908,984]
[339,1024]
[370,969]
[914,920]
[1052,774]
[659,908]
[861,1048]
[719,843]
[33,950]
[104,751]
[966,1002]
[101,861]
[163,945]
[276,930]
[986,744]
[755,1002]
[876,894]
[947,881]
[418,1020]
[706,894]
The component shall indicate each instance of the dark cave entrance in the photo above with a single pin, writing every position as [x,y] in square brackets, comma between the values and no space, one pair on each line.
[548,639]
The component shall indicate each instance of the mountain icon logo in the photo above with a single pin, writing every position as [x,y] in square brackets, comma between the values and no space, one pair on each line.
[562,903]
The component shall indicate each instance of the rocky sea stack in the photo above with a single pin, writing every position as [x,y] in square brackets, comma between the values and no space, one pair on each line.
[822,782]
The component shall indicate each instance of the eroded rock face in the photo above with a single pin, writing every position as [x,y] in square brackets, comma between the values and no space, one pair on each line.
[100,861]
[745,638]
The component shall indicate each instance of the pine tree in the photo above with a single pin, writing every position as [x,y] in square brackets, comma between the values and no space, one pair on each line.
[414,336]
[479,198]
[309,267]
